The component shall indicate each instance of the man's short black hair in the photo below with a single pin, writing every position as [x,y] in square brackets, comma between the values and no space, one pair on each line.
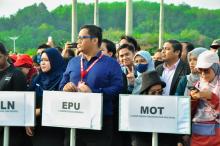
[131,40]
[110,46]
[189,46]
[129,47]
[43,46]
[3,50]
[94,30]
[177,46]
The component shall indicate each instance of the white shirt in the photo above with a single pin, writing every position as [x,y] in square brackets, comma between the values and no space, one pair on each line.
[167,76]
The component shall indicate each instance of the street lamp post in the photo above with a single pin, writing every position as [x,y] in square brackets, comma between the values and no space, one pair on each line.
[14,39]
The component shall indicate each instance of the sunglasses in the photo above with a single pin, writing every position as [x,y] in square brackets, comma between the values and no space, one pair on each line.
[202,70]
[215,47]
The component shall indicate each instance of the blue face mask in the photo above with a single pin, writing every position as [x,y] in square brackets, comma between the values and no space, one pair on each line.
[38,58]
[141,67]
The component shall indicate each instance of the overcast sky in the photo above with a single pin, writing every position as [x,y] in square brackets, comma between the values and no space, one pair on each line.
[8,7]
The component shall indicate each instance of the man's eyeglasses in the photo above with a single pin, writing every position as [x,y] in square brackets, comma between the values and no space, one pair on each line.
[202,70]
[86,37]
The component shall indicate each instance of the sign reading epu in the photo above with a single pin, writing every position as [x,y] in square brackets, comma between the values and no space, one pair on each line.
[17,108]
[161,114]
[72,110]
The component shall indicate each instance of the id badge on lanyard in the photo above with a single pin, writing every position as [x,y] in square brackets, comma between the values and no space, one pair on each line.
[83,72]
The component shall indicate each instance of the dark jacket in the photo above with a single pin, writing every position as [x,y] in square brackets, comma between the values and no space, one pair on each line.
[12,79]
[181,86]
[181,70]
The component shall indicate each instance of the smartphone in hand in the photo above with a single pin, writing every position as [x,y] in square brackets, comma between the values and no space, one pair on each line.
[192,88]
[72,45]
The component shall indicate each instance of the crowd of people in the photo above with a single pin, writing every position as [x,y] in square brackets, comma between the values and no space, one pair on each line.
[96,65]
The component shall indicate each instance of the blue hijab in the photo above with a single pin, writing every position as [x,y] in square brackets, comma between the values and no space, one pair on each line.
[50,80]
[138,81]
[146,55]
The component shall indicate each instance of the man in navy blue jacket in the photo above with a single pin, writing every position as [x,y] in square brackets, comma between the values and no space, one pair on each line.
[94,72]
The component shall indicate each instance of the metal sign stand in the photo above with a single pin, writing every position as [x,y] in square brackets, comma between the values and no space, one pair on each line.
[72,137]
[6,136]
[154,139]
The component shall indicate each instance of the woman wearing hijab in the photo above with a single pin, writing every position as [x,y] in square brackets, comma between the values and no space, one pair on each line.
[193,77]
[205,102]
[52,67]
[189,81]
[143,63]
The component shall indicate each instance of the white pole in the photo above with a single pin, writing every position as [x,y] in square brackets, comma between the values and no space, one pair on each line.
[154,139]
[74,20]
[73,38]
[6,136]
[129,17]
[96,12]
[161,25]
[14,45]
[72,137]
[14,39]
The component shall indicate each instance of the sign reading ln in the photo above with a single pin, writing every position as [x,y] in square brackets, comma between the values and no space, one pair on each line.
[17,108]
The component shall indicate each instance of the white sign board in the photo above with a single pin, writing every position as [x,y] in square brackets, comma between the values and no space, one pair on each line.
[161,114]
[17,108]
[72,110]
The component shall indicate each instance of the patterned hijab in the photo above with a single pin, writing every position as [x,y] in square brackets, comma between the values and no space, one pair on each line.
[192,78]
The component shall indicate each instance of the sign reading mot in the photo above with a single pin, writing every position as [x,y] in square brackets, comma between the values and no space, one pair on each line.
[72,110]
[161,114]
[17,108]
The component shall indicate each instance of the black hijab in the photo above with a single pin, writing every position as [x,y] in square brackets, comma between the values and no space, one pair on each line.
[50,80]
